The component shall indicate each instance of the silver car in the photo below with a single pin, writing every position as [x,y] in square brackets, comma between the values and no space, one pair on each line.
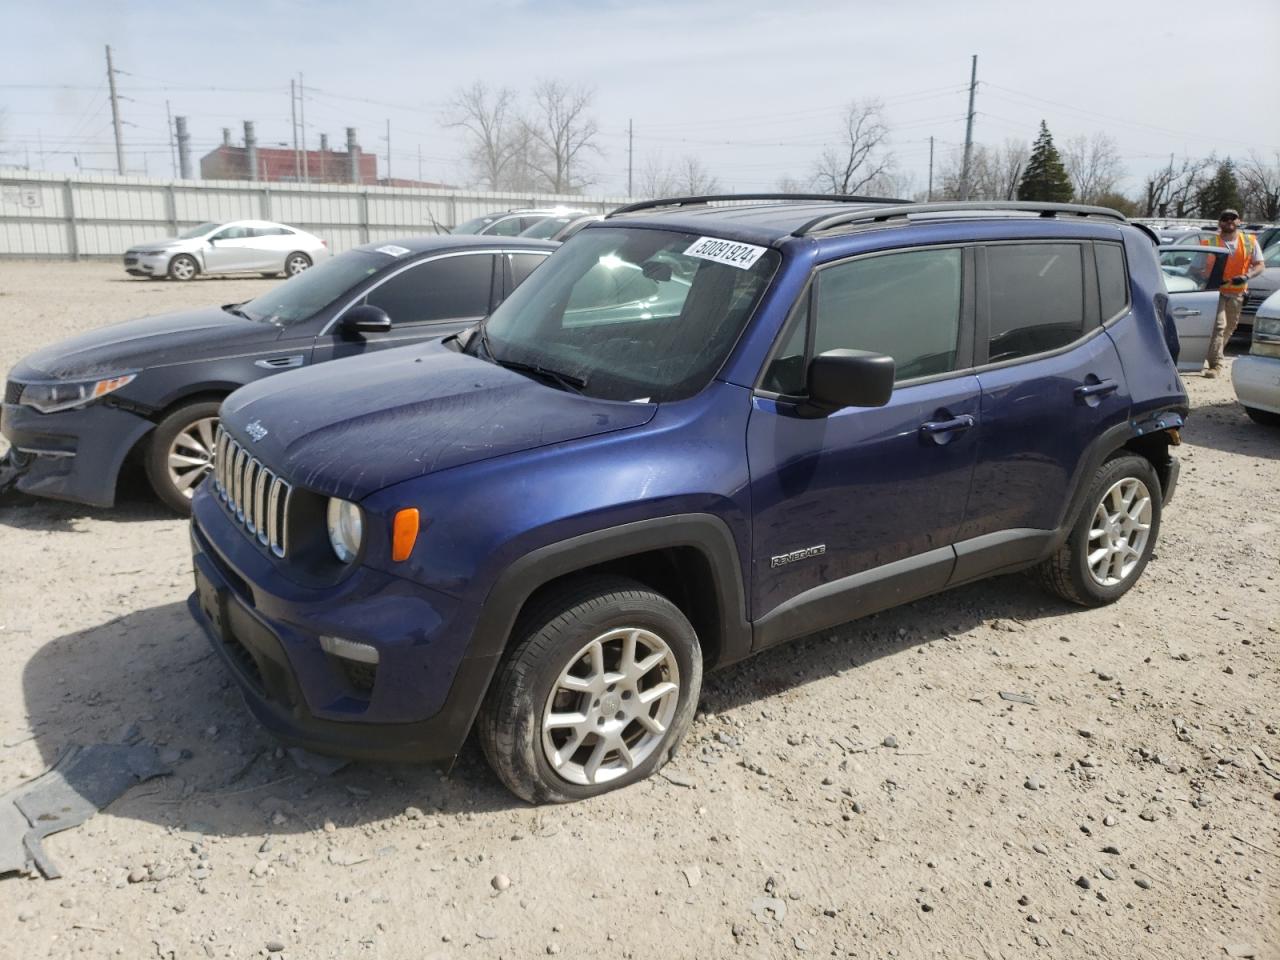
[239,246]
[512,223]
[1256,376]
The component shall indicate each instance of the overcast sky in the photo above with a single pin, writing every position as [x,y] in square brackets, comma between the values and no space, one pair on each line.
[753,89]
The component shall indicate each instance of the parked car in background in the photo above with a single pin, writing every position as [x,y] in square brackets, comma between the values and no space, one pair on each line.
[512,223]
[699,431]
[74,410]
[1266,236]
[1260,287]
[238,246]
[1192,276]
[1256,376]
[561,228]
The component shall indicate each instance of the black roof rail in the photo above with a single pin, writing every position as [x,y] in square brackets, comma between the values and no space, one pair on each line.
[827,221]
[711,198]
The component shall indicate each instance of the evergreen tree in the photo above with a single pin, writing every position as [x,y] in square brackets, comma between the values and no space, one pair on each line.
[1220,193]
[1045,178]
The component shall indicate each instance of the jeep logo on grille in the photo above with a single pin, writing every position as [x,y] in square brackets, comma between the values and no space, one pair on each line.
[255,430]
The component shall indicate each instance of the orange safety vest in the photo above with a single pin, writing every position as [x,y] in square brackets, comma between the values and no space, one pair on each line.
[1238,263]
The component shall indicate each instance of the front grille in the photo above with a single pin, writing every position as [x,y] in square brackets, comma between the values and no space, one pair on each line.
[254,496]
[12,391]
[130,261]
[1252,301]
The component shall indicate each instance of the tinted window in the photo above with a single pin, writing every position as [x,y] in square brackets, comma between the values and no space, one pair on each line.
[1035,298]
[504,228]
[299,298]
[523,264]
[905,305]
[1113,282]
[1190,271]
[437,290]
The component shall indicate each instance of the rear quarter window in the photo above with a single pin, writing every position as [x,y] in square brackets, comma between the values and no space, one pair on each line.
[1113,279]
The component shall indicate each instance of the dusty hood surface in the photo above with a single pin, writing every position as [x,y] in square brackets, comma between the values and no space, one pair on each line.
[352,427]
[149,342]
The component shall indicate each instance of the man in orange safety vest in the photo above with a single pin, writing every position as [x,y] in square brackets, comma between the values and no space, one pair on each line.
[1243,261]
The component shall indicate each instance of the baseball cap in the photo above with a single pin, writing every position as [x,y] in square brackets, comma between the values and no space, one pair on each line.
[1228,214]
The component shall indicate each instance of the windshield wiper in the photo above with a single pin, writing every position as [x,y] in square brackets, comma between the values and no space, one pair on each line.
[566,380]
[235,308]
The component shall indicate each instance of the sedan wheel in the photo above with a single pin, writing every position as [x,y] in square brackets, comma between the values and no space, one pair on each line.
[181,453]
[296,263]
[191,455]
[183,267]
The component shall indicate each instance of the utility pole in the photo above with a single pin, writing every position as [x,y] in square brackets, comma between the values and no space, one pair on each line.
[293,120]
[419,163]
[173,147]
[968,132]
[388,151]
[302,124]
[631,133]
[930,197]
[115,112]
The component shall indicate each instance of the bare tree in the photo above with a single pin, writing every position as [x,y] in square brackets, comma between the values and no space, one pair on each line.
[688,177]
[1093,164]
[1260,186]
[562,135]
[496,137]
[1171,191]
[858,161]
[994,172]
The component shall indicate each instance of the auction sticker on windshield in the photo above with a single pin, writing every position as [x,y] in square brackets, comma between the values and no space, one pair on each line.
[729,252]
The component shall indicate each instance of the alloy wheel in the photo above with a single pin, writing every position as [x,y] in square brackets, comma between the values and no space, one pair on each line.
[191,455]
[296,264]
[1119,531]
[183,268]
[611,706]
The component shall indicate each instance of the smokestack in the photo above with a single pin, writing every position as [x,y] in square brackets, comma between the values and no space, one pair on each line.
[184,147]
[251,150]
[353,155]
[324,141]
[226,136]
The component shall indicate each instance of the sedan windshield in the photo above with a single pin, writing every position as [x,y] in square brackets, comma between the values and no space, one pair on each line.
[476,225]
[304,295]
[632,313]
[546,228]
[199,231]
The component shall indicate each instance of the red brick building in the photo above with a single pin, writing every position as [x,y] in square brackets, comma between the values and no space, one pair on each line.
[281,164]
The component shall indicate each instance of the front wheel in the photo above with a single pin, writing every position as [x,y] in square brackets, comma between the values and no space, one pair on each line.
[181,453]
[1111,542]
[596,695]
[183,267]
[295,263]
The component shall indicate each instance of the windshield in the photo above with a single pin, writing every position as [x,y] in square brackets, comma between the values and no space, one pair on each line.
[632,312]
[199,231]
[1271,255]
[302,296]
[545,228]
[478,224]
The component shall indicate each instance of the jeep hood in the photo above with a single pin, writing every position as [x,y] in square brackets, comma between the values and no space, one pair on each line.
[149,342]
[352,427]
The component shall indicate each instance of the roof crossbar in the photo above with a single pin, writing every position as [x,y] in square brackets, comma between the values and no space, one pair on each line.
[715,197]
[879,214]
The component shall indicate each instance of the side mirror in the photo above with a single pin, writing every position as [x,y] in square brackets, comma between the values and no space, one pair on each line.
[848,378]
[365,318]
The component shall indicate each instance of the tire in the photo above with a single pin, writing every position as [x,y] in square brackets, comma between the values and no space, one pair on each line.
[295,263]
[1124,486]
[183,267]
[537,761]
[186,434]
[1264,417]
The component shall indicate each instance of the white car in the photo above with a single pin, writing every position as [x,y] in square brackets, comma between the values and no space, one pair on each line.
[1192,276]
[1256,376]
[238,246]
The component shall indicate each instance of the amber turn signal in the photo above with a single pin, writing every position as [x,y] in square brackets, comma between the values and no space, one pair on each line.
[404,533]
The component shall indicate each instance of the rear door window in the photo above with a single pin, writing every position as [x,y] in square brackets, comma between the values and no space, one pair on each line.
[1035,298]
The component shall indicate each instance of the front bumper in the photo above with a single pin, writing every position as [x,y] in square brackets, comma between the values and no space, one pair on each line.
[266,628]
[72,455]
[1257,382]
[155,265]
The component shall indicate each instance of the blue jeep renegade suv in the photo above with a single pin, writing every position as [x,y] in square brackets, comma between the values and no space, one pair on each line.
[699,430]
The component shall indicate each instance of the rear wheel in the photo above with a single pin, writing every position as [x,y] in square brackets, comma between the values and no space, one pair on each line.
[596,695]
[1264,417]
[183,267]
[181,453]
[295,263]
[1111,542]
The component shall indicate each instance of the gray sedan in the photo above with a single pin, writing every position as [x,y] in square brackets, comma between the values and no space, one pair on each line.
[239,246]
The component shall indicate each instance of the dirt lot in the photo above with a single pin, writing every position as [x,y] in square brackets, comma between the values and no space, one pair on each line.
[862,794]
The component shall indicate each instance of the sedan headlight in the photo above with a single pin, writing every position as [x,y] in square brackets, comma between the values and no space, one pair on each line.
[346,528]
[1266,328]
[66,394]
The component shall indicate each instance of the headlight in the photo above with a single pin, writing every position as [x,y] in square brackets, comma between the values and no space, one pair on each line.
[63,395]
[346,528]
[1266,327]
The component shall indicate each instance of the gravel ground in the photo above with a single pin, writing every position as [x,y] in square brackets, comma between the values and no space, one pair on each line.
[865,793]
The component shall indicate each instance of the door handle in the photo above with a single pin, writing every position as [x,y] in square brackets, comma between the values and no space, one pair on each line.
[1092,393]
[1186,312]
[280,363]
[938,428]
